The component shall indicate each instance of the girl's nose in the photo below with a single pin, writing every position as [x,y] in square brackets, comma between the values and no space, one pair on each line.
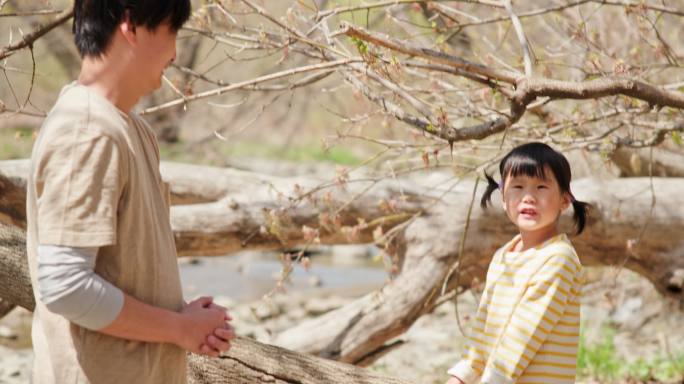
[528,198]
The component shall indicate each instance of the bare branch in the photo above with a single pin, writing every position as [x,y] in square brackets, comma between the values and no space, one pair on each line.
[243,84]
[382,4]
[574,4]
[32,13]
[448,133]
[429,54]
[29,39]
[594,89]
[521,37]
[267,88]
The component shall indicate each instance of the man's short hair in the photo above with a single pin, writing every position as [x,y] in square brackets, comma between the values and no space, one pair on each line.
[96,20]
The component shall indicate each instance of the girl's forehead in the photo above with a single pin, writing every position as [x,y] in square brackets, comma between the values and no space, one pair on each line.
[546,175]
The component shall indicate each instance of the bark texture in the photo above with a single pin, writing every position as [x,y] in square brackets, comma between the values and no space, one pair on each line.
[251,362]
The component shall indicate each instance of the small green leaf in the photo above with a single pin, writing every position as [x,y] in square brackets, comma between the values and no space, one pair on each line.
[361,45]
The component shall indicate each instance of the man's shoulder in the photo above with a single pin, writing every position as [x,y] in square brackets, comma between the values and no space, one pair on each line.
[80,112]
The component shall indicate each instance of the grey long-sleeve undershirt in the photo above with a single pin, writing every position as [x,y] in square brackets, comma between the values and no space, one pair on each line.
[69,286]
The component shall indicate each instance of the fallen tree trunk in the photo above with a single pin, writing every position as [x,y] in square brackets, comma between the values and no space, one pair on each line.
[218,211]
[617,234]
[637,162]
[248,362]
[251,362]
[15,283]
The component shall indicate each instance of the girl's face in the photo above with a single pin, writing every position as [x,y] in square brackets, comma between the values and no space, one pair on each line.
[534,204]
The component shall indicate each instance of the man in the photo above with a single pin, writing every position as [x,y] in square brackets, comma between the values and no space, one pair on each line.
[101,251]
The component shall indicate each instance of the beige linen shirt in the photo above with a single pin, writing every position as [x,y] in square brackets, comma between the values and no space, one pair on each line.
[95,182]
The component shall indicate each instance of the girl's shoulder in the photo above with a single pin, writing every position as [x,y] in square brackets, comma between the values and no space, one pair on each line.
[559,247]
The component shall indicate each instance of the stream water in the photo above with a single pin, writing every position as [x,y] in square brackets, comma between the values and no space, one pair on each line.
[248,276]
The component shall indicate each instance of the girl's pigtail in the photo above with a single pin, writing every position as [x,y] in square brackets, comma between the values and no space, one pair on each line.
[580,215]
[492,186]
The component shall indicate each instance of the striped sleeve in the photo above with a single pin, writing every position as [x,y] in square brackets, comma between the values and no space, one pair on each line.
[470,367]
[540,308]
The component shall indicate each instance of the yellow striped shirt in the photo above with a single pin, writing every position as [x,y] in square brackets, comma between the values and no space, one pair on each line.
[527,324]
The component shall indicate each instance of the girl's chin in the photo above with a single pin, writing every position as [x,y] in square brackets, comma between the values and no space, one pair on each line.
[529,225]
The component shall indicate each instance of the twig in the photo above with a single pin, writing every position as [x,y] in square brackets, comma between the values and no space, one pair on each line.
[517,25]
[31,13]
[308,80]
[298,35]
[242,84]
[37,33]
[431,55]
[574,4]
[464,234]
[382,4]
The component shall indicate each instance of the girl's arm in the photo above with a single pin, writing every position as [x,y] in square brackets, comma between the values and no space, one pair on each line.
[469,369]
[536,314]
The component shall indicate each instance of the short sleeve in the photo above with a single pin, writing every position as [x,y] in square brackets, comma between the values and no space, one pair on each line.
[79,181]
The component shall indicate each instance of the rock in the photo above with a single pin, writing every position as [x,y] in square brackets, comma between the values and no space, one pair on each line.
[677,279]
[244,313]
[225,301]
[256,332]
[15,365]
[315,281]
[319,305]
[287,302]
[352,254]
[190,260]
[630,308]
[7,333]
[296,314]
[265,310]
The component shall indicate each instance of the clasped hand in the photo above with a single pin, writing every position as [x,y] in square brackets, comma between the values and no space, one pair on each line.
[207,331]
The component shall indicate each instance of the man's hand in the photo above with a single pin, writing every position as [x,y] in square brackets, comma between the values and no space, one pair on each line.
[204,329]
[455,380]
[219,341]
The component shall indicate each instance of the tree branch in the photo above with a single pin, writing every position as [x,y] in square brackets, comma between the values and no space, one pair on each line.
[242,84]
[527,55]
[29,39]
[429,54]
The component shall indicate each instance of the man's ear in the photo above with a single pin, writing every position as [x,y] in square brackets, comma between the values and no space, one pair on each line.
[127,29]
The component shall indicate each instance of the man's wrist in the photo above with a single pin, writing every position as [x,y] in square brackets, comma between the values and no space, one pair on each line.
[176,328]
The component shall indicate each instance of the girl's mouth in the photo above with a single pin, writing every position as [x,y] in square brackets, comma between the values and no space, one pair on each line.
[528,212]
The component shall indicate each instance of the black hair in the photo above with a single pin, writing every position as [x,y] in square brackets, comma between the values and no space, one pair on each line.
[96,20]
[531,160]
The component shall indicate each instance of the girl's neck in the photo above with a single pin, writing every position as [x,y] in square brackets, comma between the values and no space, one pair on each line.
[531,239]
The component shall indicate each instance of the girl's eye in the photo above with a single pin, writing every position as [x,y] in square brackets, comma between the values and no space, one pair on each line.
[517,187]
[542,187]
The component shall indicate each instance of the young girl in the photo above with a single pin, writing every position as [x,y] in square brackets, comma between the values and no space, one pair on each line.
[527,324]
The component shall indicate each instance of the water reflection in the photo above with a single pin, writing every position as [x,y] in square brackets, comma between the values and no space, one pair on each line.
[249,275]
